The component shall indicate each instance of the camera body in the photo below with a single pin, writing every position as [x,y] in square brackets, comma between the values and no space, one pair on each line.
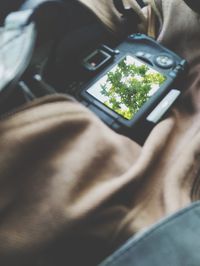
[131,87]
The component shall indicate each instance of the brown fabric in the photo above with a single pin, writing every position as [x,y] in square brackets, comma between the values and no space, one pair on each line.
[59,165]
[72,190]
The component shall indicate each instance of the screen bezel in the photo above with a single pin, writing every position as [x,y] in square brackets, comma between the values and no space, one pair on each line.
[96,89]
[145,109]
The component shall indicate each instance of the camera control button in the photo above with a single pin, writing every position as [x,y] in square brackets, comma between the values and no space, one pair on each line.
[163,106]
[173,74]
[147,55]
[143,55]
[140,54]
[164,61]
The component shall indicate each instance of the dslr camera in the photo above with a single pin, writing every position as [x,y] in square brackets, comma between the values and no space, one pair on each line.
[131,87]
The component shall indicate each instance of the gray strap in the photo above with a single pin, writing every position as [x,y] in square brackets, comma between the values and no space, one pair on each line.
[174,241]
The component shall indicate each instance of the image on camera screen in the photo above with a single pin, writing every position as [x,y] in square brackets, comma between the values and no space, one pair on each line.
[127,86]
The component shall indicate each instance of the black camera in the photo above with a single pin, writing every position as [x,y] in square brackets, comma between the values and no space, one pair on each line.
[132,86]
[129,87]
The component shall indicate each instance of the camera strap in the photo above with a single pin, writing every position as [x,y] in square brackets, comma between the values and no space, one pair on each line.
[121,7]
[128,10]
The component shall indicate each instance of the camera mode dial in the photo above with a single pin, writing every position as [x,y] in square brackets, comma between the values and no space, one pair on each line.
[164,61]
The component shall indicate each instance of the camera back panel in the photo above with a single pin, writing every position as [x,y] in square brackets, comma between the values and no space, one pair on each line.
[130,87]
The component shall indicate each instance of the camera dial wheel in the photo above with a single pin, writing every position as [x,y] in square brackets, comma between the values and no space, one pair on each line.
[164,61]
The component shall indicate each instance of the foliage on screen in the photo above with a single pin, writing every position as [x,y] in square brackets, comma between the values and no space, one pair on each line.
[127,86]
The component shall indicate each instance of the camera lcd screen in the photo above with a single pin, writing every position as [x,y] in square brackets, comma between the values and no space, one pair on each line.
[127,86]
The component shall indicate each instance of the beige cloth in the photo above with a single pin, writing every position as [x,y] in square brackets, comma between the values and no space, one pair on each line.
[72,190]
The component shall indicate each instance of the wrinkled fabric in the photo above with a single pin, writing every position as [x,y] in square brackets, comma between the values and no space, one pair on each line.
[72,190]
[59,166]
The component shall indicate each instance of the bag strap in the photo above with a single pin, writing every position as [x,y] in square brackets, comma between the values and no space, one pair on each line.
[121,7]
[113,19]
[129,13]
[151,247]
[132,17]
